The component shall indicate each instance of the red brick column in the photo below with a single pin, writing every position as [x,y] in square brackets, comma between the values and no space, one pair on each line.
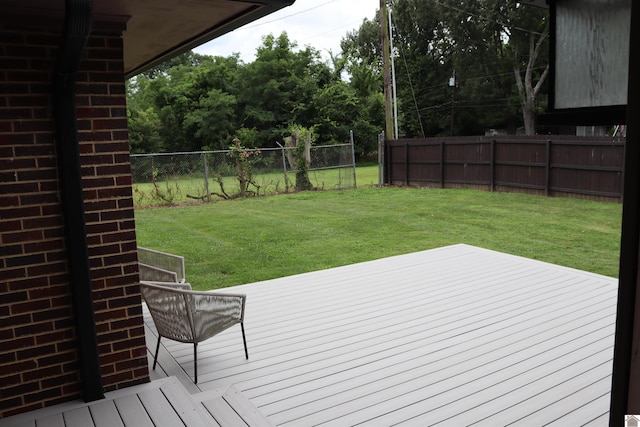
[38,356]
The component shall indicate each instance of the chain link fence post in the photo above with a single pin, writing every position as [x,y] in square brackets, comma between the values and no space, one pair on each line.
[353,157]
[206,176]
[381,160]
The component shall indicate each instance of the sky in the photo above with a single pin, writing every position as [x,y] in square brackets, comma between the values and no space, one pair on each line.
[320,24]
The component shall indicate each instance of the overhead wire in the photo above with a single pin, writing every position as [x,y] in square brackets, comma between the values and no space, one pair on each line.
[438,86]
[259,24]
[484,18]
[434,88]
[404,59]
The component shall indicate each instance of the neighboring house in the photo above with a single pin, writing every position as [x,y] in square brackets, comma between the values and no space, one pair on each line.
[70,309]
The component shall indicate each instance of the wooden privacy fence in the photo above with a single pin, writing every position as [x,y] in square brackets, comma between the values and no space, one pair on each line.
[590,167]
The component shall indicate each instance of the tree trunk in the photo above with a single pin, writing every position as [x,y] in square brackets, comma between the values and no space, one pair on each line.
[529,116]
[300,159]
[526,89]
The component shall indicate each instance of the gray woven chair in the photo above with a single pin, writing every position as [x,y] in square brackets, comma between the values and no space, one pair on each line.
[189,316]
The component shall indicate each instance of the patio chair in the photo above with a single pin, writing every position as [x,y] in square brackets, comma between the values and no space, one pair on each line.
[160,266]
[189,316]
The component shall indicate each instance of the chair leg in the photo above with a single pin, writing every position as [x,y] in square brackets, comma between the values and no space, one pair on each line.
[195,363]
[155,356]
[244,340]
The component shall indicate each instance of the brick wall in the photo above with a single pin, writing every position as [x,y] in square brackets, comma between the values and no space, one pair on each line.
[38,355]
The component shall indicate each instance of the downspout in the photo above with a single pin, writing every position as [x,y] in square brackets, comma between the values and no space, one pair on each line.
[76,30]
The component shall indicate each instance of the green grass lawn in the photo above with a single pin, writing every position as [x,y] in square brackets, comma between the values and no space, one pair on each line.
[234,242]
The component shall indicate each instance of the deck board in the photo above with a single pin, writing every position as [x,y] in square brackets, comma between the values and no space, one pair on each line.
[105,414]
[156,406]
[80,417]
[133,412]
[452,335]
[163,402]
[53,420]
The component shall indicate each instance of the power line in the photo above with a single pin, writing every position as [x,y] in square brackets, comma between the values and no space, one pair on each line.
[434,88]
[415,100]
[484,18]
[289,16]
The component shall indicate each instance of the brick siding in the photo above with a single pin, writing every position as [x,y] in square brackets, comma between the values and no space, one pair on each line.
[38,352]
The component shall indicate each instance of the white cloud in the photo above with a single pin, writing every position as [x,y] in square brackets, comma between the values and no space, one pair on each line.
[320,24]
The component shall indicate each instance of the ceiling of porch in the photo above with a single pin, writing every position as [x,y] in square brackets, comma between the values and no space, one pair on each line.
[154,30]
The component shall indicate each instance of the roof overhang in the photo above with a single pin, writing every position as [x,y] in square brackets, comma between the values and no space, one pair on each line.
[153,30]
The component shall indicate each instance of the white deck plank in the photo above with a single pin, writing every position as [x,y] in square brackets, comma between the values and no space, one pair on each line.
[223,414]
[53,420]
[453,335]
[132,411]
[80,417]
[105,414]
[230,407]
[159,409]
[245,409]
[166,400]
[24,423]
[183,404]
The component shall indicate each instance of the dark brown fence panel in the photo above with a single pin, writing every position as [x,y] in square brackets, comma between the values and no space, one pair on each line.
[467,162]
[521,165]
[424,166]
[591,167]
[586,168]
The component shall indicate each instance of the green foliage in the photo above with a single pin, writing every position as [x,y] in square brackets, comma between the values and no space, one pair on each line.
[144,131]
[196,101]
[244,163]
[484,41]
[250,137]
[200,102]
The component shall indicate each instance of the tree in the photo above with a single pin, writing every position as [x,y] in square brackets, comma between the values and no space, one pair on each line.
[278,87]
[194,102]
[369,114]
[144,131]
[363,45]
[482,41]
[201,102]
[529,51]
[299,158]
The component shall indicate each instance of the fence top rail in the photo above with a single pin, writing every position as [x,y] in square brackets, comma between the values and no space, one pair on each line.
[510,139]
[183,153]
[178,153]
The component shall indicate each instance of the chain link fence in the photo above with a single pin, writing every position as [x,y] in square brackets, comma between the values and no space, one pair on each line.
[173,178]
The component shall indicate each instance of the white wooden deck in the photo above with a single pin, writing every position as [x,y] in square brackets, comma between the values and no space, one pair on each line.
[452,336]
[160,403]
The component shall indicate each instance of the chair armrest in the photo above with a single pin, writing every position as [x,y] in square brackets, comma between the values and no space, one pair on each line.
[214,312]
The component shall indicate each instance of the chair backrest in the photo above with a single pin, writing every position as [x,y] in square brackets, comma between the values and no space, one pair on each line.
[156,274]
[170,309]
[160,263]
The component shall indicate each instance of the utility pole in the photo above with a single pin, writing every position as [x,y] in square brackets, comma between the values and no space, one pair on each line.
[452,85]
[393,78]
[386,63]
